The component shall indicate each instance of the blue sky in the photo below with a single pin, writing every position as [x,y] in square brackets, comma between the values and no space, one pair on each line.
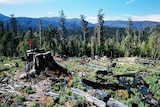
[137,10]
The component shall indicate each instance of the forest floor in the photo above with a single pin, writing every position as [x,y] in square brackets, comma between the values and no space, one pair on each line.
[49,91]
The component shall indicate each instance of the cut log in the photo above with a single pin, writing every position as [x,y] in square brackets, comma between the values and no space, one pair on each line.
[114,103]
[89,98]
[145,61]
[97,85]
[143,88]
[104,72]
[111,102]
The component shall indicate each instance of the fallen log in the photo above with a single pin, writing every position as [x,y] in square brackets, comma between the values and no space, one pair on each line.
[111,102]
[125,75]
[89,98]
[52,94]
[145,61]
[145,94]
[114,103]
[104,72]
[97,85]
[95,67]
[2,90]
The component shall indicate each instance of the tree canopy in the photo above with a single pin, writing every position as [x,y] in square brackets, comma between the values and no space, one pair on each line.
[99,40]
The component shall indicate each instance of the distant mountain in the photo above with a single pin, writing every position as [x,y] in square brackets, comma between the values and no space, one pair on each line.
[74,23]
[136,24]
[3,18]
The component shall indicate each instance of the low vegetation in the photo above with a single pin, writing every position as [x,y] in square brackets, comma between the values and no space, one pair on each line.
[150,74]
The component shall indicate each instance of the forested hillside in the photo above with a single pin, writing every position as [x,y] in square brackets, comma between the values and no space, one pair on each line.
[99,40]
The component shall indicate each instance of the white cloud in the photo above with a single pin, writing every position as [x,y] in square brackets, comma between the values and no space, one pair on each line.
[91,19]
[130,2]
[155,18]
[94,19]
[19,1]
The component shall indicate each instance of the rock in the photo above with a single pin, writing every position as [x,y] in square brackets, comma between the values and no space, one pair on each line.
[1,78]
[16,85]
[18,105]
[5,80]
[30,98]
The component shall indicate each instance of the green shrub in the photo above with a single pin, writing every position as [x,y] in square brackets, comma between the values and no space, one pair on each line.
[18,98]
[62,99]
[50,104]
[35,104]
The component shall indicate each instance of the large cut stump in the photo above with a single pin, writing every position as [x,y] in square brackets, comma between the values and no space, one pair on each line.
[38,60]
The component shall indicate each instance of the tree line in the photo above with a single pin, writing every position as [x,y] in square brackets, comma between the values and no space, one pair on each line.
[90,41]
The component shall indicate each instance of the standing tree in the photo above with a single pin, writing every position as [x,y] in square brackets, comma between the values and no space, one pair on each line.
[117,36]
[1,35]
[141,42]
[7,25]
[84,30]
[99,33]
[92,46]
[77,45]
[84,25]
[154,47]
[53,38]
[128,38]
[14,41]
[115,44]
[140,35]
[40,33]
[135,46]
[63,30]
[1,27]
[13,24]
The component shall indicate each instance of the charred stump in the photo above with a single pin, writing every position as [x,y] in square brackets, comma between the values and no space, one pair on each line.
[37,61]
